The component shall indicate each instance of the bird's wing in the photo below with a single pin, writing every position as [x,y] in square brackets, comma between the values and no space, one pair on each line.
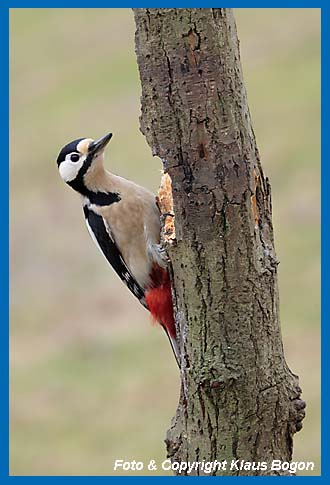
[103,239]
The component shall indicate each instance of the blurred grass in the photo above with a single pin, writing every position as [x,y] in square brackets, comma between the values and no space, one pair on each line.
[91,380]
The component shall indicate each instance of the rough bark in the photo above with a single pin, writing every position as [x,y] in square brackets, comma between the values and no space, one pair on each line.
[239,400]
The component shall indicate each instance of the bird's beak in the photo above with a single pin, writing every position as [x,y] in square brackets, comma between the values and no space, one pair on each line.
[98,145]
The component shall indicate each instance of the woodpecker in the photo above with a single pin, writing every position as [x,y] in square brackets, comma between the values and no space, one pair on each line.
[123,219]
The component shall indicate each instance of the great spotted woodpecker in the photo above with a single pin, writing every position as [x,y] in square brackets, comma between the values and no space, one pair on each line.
[123,219]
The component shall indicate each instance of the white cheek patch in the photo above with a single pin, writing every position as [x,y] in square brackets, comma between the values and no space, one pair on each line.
[69,170]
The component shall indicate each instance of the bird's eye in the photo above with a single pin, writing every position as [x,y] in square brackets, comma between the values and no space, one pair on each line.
[74,157]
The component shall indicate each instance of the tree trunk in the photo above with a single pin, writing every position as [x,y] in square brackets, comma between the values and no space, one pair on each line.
[239,400]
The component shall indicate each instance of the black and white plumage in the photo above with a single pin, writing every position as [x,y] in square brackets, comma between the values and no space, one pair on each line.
[124,222]
[101,235]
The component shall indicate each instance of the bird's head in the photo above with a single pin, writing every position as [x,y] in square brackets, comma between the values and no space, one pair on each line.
[78,156]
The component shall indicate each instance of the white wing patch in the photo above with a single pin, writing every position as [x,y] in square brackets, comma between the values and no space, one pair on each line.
[94,238]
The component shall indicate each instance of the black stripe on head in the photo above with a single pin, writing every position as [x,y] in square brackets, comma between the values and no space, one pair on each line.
[78,183]
[69,148]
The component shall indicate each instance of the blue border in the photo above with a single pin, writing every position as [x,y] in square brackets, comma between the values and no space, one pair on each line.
[325,219]
[4,250]
[4,239]
[157,4]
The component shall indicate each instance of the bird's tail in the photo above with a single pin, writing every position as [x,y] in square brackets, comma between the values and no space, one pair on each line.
[174,346]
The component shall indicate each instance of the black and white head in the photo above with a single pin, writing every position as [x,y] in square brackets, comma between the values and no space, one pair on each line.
[75,158]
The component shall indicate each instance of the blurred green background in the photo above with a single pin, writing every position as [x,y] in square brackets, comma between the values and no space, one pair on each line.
[91,379]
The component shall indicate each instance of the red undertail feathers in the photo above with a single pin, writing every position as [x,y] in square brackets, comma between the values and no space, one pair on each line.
[159,299]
